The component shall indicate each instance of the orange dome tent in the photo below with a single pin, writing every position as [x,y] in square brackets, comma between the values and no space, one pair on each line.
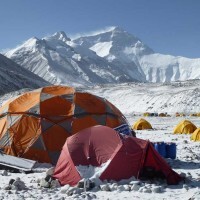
[36,124]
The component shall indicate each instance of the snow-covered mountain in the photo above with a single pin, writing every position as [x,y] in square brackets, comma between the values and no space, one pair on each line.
[117,45]
[111,56]
[61,61]
[14,77]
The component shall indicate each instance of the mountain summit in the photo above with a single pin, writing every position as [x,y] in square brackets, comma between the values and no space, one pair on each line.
[110,56]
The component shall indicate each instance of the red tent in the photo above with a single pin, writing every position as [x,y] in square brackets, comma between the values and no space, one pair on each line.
[128,156]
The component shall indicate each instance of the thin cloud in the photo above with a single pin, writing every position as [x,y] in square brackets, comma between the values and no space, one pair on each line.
[91,33]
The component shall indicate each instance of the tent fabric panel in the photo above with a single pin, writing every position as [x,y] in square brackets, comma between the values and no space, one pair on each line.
[12,119]
[90,103]
[100,119]
[196,135]
[153,159]
[189,128]
[65,170]
[129,166]
[44,97]
[68,97]
[24,133]
[113,122]
[67,125]
[91,144]
[56,106]
[56,118]
[110,108]
[8,150]
[46,124]
[39,144]
[4,108]
[82,123]
[37,155]
[79,110]
[35,109]
[6,140]
[54,156]
[129,156]
[54,138]
[24,102]
[101,149]
[58,90]
[3,125]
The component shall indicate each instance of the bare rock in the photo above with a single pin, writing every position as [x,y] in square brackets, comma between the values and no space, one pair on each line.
[50,171]
[105,187]
[4,173]
[157,189]
[44,183]
[18,185]
[135,187]
[55,184]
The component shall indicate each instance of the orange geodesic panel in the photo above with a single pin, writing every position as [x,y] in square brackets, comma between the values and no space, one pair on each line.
[113,121]
[57,90]
[56,106]
[24,102]
[54,138]
[82,123]
[24,132]
[89,103]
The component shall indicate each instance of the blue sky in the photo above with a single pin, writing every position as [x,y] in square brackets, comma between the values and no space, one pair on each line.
[167,26]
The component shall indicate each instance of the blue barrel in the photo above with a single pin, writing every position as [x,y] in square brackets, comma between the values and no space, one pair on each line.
[160,148]
[171,150]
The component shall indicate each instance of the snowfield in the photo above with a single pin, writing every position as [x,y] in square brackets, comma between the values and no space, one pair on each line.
[132,100]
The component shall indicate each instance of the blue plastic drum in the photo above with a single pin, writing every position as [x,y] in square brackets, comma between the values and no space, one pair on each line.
[171,150]
[160,148]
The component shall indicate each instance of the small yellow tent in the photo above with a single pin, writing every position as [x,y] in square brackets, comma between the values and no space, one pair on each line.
[141,124]
[146,114]
[185,126]
[196,135]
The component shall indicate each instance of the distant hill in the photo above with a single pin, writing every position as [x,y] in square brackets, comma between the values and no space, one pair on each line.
[14,77]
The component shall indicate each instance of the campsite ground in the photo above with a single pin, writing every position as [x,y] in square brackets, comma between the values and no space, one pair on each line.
[187,161]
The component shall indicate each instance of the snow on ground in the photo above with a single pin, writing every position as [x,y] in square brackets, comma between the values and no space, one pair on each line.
[187,161]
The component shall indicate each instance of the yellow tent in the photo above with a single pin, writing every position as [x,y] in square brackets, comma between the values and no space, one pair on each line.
[196,135]
[146,114]
[141,124]
[185,126]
